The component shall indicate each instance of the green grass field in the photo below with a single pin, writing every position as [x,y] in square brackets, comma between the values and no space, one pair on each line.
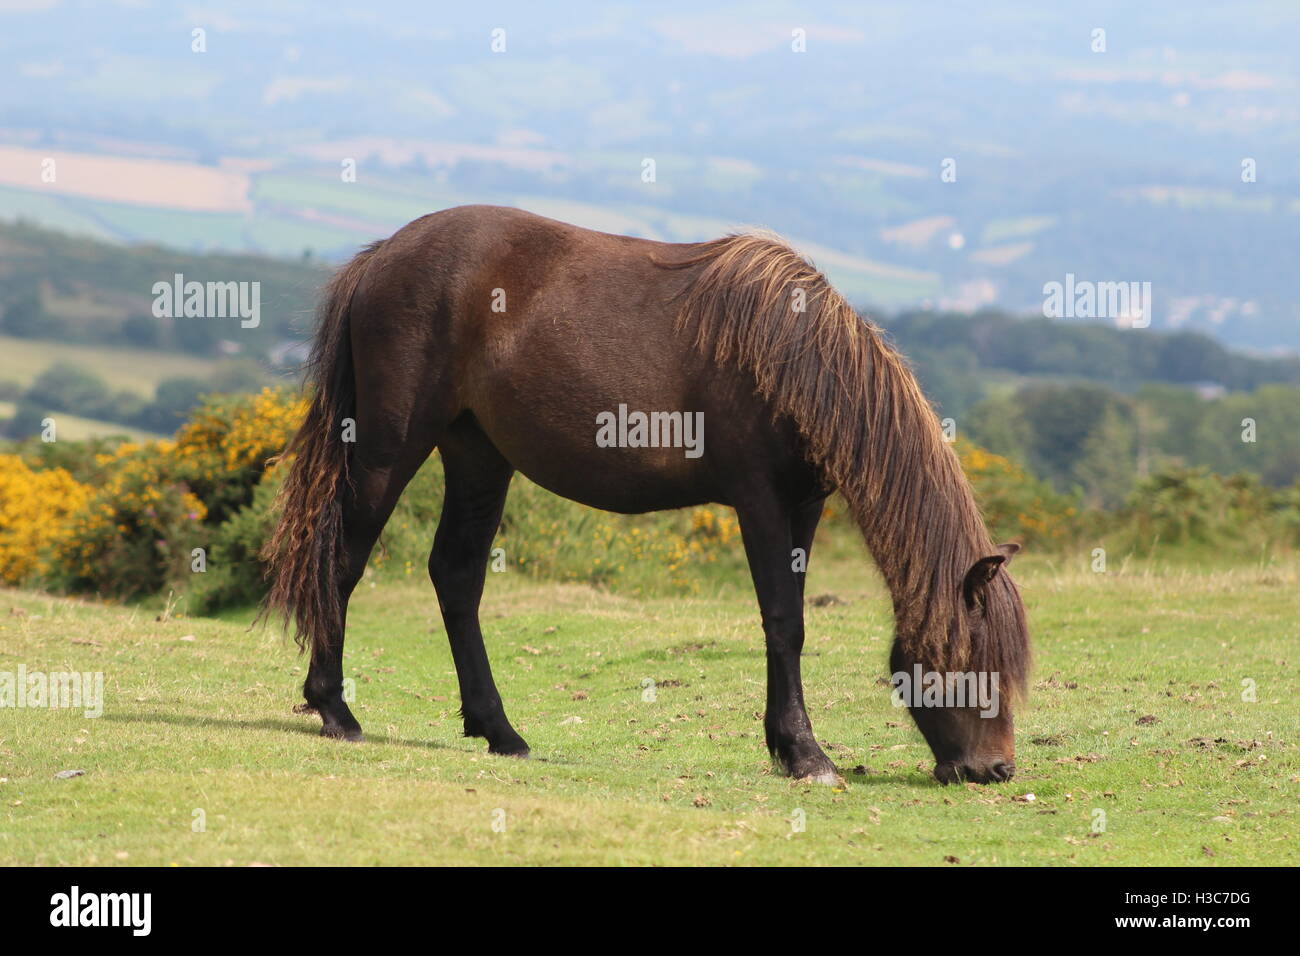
[1137,745]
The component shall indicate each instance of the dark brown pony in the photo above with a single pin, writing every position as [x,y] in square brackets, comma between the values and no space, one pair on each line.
[503,339]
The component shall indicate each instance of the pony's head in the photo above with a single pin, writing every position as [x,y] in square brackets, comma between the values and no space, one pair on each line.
[965,714]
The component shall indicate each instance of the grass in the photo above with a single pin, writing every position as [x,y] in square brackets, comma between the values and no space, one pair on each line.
[1136,718]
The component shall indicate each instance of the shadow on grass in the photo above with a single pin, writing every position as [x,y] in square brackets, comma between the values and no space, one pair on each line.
[302,727]
[912,778]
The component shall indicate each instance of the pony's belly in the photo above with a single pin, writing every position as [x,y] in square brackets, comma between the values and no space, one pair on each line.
[648,449]
[624,480]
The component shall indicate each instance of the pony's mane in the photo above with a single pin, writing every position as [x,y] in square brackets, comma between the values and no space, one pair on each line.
[870,429]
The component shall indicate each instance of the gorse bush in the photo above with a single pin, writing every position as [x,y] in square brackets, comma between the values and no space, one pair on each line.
[164,499]
[223,450]
[87,461]
[136,533]
[550,537]
[35,508]
[1016,505]
[123,519]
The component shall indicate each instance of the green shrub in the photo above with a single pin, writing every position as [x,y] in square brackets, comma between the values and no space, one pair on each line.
[235,574]
[1193,507]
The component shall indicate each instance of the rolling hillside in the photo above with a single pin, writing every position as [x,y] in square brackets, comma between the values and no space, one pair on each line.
[959,160]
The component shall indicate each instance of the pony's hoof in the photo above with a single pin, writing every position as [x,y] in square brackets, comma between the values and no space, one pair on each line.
[511,750]
[342,733]
[828,778]
[807,765]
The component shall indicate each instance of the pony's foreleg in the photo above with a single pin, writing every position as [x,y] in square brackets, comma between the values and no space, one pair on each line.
[803,527]
[771,531]
[377,477]
[477,478]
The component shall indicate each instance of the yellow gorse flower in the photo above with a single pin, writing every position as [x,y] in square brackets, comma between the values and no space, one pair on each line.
[36,508]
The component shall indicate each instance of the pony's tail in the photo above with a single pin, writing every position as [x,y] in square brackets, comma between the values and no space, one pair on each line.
[305,554]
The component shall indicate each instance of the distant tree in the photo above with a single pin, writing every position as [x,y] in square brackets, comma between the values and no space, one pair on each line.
[998,423]
[1107,467]
[1090,350]
[124,407]
[949,379]
[26,420]
[174,399]
[1187,357]
[200,336]
[141,331]
[24,315]
[1174,413]
[1060,419]
[237,375]
[69,388]
[1270,416]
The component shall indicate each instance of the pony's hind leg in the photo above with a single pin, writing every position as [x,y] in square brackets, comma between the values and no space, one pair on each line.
[382,395]
[377,476]
[477,479]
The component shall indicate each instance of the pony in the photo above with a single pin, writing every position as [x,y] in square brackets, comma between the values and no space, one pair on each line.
[508,341]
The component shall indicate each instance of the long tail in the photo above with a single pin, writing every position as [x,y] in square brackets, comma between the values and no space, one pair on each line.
[305,554]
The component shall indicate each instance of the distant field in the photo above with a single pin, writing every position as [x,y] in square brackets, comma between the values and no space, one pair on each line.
[136,370]
[1136,748]
[363,201]
[150,182]
[999,230]
[75,428]
[301,204]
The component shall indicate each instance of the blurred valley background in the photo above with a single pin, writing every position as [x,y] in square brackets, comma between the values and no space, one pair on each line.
[266,141]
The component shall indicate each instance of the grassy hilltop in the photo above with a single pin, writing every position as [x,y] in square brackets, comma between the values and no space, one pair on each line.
[1136,712]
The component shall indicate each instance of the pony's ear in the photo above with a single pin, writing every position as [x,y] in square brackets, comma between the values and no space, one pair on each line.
[1009,550]
[979,576]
